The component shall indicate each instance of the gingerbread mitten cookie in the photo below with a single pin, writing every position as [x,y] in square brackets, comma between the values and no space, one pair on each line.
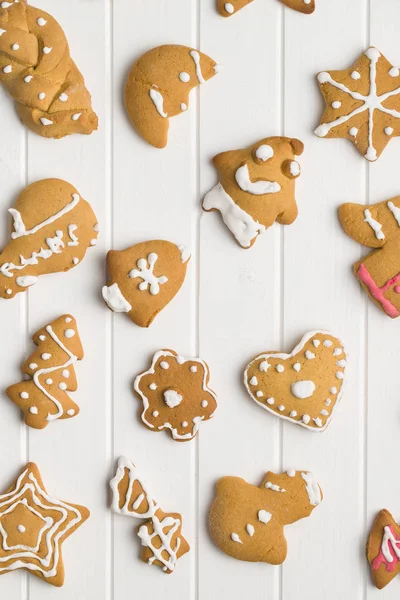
[383,549]
[256,187]
[362,104]
[37,70]
[158,88]
[145,278]
[247,522]
[33,527]
[52,228]
[161,535]
[175,395]
[304,386]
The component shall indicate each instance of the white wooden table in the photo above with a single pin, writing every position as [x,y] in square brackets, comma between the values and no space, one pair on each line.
[234,304]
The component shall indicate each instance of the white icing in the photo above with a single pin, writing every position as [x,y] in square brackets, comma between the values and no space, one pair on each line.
[318,422]
[193,369]
[303,389]
[114,299]
[394,72]
[183,106]
[280,368]
[204,403]
[316,343]
[41,22]
[375,225]
[253,381]
[259,394]
[297,367]
[28,78]
[69,333]
[7,69]
[388,538]
[306,419]
[341,363]
[196,57]
[250,529]
[395,211]
[281,408]
[158,102]
[295,169]
[45,121]
[229,8]
[126,509]
[164,365]
[309,355]
[33,366]
[33,410]
[264,516]
[291,473]
[293,414]
[327,343]
[275,488]
[47,50]
[19,226]
[264,152]
[41,96]
[172,398]
[336,104]
[337,352]
[264,366]
[153,386]
[15,47]
[353,131]
[26,280]
[74,240]
[389,130]
[257,188]
[76,116]
[339,375]
[236,538]
[63,97]
[271,401]
[312,489]
[184,77]
[145,272]
[185,253]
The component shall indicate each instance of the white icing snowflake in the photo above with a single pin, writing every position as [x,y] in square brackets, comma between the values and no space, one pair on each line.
[145,271]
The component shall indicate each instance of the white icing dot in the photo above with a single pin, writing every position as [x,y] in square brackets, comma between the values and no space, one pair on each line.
[69,333]
[328,402]
[264,152]
[76,116]
[306,419]
[264,516]
[316,343]
[96,227]
[63,97]
[7,69]
[236,538]
[291,472]
[204,403]
[183,106]
[47,50]
[46,356]
[49,381]
[185,77]
[303,389]
[336,104]
[42,338]
[33,366]
[172,398]
[341,363]
[309,355]
[333,390]
[337,352]
[75,260]
[355,75]
[281,407]
[294,168]
[41,22]
[184,423]
[180,360]
[15,47]
[41,96]
[45,121]
[297,367]
[324,412]
[339,375]
[28,78]
[250,529]
[68,320]
[21,528]
[229,8]
[164,365]
[33,410]
[259,394]
[293,414]
[318,422]
[156,413]
[353,131]
[323,77]
[193,369]
[253,381]
[93,242]
[153,386]
[389,130]
[264,365]
[270,401]
[65,373]
[394,72]
[24,395]
[70,412]
[280,368]
[327,343]
[62,386]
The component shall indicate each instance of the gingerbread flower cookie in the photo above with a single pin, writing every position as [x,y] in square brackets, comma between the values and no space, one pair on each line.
[52,227]
[145,278]
[247,522]
[383,549]
[377,226]
[256,187]
[227,9]
[50,371]
[38,72]
[304,386]
[362,104]
[175,395]
[161,534]
[158,88]
[33,527]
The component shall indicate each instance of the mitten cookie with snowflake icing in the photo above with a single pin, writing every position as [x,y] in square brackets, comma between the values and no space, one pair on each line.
[226,9]
[383,549]
[362,104]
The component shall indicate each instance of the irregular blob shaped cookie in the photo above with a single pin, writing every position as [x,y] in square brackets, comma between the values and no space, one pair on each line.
[51,230]
[247,522]
[43,397]
[362,104]
[227,9]
[145,278]
[158,88]
[377,226]
[161,534]
[304,386]
[383,549]
[37,71]
[33,527]
[175,395]
[256,187]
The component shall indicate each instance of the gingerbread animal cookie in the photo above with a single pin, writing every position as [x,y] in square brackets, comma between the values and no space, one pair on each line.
[52,229]
[362,104]
[377,226]
[37,70]
[175,395]
[161,534]
[383,549]
[304,386]
[256,187]
[158,88]
[227,9]
[33,527]
[145,278]
[247,522]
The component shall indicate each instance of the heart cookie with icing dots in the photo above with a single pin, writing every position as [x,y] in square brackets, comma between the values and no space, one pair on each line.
[303,387]
[227,9]
[383,549]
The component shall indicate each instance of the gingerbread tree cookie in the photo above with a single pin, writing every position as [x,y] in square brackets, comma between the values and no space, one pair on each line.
[227,9]
[383,549]
[44,396]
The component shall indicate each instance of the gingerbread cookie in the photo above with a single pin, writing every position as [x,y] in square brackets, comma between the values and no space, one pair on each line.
[304,386]
[227,9]
[33,527]
[377,226]
[161,534]
[304,6]
[52,227]
[256,187]
[158,88]
[383,549]
[247,522]
[145,278]
[37,70]
[175,395]
[362,104]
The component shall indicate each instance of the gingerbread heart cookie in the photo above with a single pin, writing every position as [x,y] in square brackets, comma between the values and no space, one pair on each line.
[256,187]
[383,549]
[158,88]
[304,386]
[227,9]
[145,278]
[247,522]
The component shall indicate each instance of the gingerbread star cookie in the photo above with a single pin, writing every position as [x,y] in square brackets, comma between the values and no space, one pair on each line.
[247,522]
[145,278]
[161,534]
[383,549]
[304,386]
[362,104]
[175,395]
[256,187]
[33,527]
[227,9]
[158,88]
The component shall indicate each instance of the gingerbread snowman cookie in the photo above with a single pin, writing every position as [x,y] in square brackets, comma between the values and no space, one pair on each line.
[383,549]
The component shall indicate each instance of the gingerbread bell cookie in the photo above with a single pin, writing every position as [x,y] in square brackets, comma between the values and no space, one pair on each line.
[33,527]
[304,386]
[227,9]
[256,187]
[362,104]
[175,395]
[161,534]
[37,70]
[145,278]
[52,227]
[377,226]
[158,88]
[383,549]
[247,522]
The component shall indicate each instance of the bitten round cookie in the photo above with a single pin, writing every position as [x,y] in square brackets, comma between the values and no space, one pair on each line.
[383,549]
[158,88]
[256,187]
[175,395]
[247,522]
[304,386]
[227,9]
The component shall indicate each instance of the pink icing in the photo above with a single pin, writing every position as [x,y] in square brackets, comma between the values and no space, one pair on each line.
[381,560]
[397,289]
[378,292]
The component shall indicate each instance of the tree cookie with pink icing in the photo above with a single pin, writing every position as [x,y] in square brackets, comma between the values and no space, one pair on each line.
[383,549]
[227,9]
[247,522]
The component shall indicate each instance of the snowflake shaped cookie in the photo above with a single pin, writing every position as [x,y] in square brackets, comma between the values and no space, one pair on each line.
[362,104]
